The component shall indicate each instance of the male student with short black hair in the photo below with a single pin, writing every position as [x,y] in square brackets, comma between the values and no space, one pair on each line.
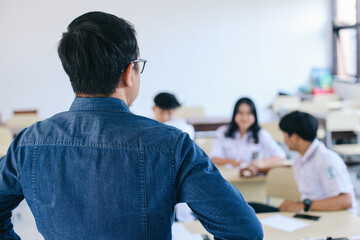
[165,106]
[99,171]
[320,174]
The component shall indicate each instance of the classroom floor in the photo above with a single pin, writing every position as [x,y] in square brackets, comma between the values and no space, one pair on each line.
[24,223]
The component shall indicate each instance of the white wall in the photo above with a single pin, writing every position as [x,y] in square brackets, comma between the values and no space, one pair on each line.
[206,52]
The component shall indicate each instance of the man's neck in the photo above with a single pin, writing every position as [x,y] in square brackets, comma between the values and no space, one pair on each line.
[303,147]
[89,95]
[117,94]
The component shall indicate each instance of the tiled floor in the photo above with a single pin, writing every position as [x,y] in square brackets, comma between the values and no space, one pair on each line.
[24,223]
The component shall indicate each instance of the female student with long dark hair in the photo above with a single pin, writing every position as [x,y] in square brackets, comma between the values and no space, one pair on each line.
[243,143]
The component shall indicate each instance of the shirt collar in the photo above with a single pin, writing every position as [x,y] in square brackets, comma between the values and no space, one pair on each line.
[106,104]
[310,151]
[246,136]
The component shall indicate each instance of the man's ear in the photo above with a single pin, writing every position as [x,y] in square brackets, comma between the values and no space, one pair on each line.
[295,136]
[126,77]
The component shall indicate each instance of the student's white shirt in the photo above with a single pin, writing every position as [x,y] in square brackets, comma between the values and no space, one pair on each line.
[320,173]
[182,210]
[182,125]
[244,148]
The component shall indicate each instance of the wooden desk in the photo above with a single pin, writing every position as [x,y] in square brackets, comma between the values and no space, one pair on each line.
[253,189]
[208,123]
[333,224]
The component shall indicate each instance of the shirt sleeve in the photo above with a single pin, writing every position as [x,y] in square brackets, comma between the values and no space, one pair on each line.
[271,147]
[190,130]
[10,192]
[218,205]
[334,176]
[217,149]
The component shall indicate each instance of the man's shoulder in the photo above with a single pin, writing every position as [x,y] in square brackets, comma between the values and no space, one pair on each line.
[325,156]
[89,126]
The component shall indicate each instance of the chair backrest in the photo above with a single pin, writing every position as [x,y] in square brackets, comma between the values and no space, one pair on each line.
[351,104]
[185,112]
[324,98]
[205,144]
[280,183]
[313,107]
[6,138]
[274,130]
[286,103]
[22,119]
[342,121]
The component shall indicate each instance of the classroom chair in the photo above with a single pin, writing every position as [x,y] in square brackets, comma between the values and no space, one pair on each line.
[5,139]
[343,121]
[274,130]
[205,144]
[22,119]
[324,98]
[311,107]
[280,183]
[283,104]
[185,112]
[351,104]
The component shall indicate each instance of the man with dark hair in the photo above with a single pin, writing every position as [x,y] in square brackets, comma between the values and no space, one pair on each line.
[98,171]
[320,174]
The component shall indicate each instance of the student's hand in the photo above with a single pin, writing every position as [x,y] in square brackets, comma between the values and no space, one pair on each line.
[223,161]
[259,164]
[291,206]
[235,163]
[250,171]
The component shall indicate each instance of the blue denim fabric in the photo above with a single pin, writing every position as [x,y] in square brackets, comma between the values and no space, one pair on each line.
[100,172]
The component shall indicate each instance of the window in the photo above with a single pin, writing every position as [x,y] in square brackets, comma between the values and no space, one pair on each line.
[346,40]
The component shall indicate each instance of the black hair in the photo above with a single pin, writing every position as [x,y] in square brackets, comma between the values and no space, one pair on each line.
[95,50]
[254,128]
[300,123]
[166,101]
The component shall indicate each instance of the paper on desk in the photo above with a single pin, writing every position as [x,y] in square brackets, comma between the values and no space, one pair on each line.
[179,232]
[283,223]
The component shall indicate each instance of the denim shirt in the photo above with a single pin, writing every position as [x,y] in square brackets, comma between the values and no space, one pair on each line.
[99,171]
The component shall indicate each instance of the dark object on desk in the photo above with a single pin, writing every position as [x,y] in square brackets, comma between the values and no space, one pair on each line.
[330,238]
[205,237]
[305,216]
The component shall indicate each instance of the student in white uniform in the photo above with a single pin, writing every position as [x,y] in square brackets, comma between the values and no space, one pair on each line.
[244,144]
[321,175]
[165,105]
[164,109]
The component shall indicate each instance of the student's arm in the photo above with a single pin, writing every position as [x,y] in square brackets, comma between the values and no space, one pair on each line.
[218,205]
[223,161]
[340,202]
[10,193]
[218,155]
[265,164]
[336,182]
[270,148]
